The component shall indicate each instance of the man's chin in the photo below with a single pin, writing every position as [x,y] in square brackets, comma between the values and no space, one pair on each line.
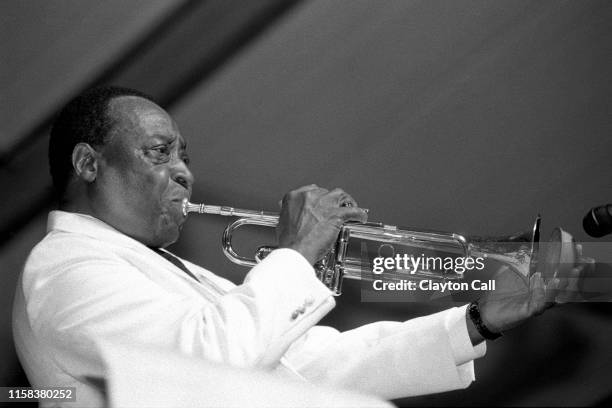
[164,242]
[167,236]
[169,229]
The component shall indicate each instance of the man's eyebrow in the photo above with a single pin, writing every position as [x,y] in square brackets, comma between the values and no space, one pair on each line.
[167,138]
[164,137]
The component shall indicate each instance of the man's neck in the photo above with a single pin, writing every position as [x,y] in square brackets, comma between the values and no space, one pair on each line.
[70,206]
[76,199]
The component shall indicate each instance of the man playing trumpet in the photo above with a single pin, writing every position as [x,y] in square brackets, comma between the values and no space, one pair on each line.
[102,275]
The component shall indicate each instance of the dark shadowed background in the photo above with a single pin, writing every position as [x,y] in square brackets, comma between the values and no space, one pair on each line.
[468,116]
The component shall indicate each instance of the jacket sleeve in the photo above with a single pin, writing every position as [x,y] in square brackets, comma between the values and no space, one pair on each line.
[425,355]
[74,306]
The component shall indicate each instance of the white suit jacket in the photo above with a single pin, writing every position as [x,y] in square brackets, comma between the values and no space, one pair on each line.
[86,283]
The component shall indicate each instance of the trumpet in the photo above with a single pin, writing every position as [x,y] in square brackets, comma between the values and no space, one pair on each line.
[359,243]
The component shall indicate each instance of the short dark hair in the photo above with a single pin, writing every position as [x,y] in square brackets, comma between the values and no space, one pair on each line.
[85,119]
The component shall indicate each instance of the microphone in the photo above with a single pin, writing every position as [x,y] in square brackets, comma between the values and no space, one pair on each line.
[598,221]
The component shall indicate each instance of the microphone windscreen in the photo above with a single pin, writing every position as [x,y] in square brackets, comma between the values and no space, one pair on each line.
[598,221]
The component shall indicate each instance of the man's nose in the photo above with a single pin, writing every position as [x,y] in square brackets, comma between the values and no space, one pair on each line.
[182,175]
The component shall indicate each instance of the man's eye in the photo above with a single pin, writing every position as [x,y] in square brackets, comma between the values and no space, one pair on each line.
[160,152]
[186,160]
[161,149]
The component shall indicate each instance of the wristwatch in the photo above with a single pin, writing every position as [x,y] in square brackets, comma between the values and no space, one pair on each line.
[473,312]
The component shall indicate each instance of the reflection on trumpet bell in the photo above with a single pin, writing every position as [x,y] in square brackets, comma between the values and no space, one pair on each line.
[359,245]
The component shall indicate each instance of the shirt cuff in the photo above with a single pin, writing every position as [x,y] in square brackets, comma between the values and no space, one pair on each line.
[289,269]
[296,256]
[461,345]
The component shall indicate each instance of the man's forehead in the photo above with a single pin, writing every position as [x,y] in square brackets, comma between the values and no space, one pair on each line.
[135,108]
[136,112]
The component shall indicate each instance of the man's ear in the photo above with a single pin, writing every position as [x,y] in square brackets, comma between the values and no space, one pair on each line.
[85,162]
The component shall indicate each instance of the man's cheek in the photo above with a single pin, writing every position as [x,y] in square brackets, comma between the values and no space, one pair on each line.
[158,180]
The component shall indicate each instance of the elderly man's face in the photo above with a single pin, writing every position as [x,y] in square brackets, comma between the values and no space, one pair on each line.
[142,175]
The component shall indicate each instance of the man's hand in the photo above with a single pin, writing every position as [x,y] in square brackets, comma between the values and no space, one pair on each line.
[311,218]
[515,300]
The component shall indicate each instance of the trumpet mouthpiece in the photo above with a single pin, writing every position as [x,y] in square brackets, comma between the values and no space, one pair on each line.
[185,203]
[190,207]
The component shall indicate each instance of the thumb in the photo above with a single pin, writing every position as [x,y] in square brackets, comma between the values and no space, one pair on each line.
[537,302]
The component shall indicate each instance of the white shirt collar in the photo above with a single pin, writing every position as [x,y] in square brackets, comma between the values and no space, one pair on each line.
[87,225]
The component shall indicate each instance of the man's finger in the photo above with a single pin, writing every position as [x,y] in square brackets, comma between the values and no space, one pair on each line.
[353,214]
[305,188]
[585,263]
[300,190]
[552,289]
[339,197]
[538,301]
[578,251]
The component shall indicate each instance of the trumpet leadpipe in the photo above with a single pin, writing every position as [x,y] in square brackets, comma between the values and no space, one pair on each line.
[228,211]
